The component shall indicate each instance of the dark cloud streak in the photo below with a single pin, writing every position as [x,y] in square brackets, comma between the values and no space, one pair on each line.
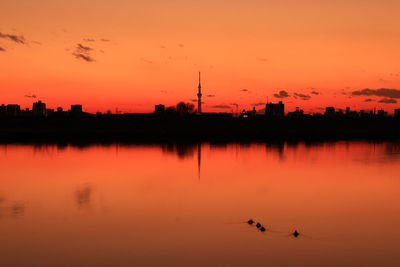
[30,96]
[87,58]
[387,101]
[83,52]
[222,106]
[259,104]
[302,96]
[383,92]
[282,94]
[15,38]
[82,48]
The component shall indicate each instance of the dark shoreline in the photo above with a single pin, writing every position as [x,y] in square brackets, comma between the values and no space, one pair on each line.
[191,129]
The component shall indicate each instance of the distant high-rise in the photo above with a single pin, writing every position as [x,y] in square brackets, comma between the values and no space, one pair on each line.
[159,109]
[275,110]
[13,110]
[76,108]
[382,113]
[330,111]
[39,109]
[397,113]
[199,96]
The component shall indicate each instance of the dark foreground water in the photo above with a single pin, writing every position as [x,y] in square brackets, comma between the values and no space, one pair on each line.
[185,205]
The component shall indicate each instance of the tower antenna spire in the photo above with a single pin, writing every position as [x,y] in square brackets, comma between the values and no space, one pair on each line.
[199,96]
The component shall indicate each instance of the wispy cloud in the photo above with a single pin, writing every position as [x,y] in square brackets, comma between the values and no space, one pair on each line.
[259,104]
[94,40]
[302,96]
[84,57]
[315,93]
[388,101]
[244,90]
[83,52]
[30,96]
[222,106]
[262,59]
[282,94]
[384,92]
[369,100]
[2,49]
[82,48]
[15,38]
[210,95]
[146,60]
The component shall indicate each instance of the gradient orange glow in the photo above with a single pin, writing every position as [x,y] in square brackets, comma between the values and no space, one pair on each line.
[156,47]
[146,206]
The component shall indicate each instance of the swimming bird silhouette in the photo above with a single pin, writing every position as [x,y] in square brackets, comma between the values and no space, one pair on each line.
[295,233]
[250,221]
[258,225]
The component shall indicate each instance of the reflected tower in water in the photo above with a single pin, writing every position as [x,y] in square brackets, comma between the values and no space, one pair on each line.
[198,160]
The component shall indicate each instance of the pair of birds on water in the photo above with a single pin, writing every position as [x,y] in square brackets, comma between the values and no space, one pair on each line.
[262,228]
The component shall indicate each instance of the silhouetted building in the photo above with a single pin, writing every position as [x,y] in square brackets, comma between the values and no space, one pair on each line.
[49,111]
[353,114]
[222,115]
[12,110]
[59,109]
[382,113]
[397,113]
[275,110]
[248,113]
[296,114]
[25,112]
[3,110]
[39,109]
[76,109]
[159,109]
[330,111]
[253,112]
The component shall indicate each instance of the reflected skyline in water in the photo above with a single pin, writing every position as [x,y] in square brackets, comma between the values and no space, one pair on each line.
[188,150]
[188,204]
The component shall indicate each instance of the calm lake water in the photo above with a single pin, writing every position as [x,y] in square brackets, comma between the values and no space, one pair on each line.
[186,205]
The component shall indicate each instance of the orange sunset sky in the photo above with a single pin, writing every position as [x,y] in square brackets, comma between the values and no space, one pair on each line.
[131,55]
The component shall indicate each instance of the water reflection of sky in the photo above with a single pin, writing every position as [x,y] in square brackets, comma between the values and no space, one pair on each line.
[186,204]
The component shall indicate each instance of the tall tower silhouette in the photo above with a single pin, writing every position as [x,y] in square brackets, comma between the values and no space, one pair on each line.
[199,96]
